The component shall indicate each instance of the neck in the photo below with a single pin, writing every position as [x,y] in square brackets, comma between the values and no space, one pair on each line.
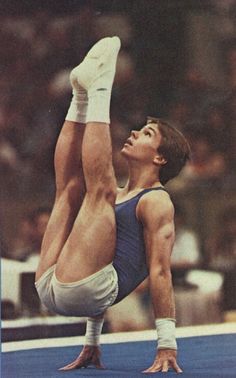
[142,178]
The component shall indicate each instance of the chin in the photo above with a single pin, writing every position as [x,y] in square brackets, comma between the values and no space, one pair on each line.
[124,152]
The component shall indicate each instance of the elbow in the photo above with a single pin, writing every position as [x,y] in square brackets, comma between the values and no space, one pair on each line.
[161,273]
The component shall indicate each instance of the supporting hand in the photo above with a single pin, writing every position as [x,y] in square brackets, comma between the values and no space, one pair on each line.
[90,355]
[165,359]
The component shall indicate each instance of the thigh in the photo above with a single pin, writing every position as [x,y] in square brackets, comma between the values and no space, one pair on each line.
[91,243]
[70,191]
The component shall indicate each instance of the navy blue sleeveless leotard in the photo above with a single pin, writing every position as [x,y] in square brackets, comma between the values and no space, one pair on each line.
[130,256]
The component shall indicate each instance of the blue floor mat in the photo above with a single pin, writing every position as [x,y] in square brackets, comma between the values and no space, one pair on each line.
[202,356]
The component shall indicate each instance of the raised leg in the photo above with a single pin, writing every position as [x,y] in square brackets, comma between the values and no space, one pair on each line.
[91,244]
[70,185]
[70,191]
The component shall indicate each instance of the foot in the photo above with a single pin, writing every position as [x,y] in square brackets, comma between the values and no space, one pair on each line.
[97,71]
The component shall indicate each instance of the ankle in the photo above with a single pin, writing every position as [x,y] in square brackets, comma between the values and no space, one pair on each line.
[78,107]
[99,107]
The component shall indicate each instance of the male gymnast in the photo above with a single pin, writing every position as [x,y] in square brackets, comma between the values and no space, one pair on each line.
[101,243]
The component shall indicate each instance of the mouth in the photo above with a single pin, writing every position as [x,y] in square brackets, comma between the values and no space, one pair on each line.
[129,142]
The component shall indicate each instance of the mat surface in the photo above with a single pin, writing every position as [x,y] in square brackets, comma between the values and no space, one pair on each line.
[201,356]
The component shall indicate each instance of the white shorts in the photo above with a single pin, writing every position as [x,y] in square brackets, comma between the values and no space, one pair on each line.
[90,296]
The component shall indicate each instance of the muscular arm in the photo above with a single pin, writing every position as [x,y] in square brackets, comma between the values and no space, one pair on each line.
[156,213]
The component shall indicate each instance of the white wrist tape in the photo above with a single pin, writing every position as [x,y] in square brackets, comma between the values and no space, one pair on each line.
[93,331]
[166,333]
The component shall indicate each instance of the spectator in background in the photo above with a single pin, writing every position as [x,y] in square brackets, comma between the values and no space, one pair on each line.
[19,296]
[197,292]
[122,319]
[221,248]
[179,113]
[230,62]
[230,111]
[217,127]
[186,252]
[194,92]
[30,234]
[4,252]
[10,160]
[206,163]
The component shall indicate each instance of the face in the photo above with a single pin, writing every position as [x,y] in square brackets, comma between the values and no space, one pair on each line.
[142,145]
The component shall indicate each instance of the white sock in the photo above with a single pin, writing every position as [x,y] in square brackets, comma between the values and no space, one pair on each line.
[99,107]
[99,95]
[78,107]
[96,75]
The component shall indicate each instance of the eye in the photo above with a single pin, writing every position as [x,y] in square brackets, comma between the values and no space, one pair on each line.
[147,132]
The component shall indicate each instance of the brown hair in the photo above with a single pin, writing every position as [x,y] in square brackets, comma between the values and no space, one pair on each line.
[174,148]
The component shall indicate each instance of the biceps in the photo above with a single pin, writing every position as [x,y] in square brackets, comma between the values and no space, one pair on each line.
[158,249]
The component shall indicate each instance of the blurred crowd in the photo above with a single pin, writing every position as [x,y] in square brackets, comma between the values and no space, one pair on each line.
[37,54]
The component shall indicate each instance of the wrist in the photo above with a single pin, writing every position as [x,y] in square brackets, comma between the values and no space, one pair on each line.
[93,331]
[166,333]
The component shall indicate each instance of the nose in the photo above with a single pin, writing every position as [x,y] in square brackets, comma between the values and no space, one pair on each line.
[134,134]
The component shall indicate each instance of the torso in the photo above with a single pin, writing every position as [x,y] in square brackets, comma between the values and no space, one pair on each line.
[130,256]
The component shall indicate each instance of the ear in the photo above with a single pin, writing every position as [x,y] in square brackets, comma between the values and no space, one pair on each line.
[159,160]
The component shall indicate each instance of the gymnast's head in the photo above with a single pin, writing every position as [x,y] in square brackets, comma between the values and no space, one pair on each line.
[157,145]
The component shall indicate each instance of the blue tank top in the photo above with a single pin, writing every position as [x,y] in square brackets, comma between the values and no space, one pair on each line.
[130,256]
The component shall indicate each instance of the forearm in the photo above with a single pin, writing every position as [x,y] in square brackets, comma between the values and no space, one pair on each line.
[162,295]
[164,310]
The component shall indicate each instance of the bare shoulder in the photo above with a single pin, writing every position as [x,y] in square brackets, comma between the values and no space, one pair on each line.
[155,205]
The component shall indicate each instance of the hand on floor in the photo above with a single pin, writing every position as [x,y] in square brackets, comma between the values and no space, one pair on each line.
[90,355]
[165,360]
